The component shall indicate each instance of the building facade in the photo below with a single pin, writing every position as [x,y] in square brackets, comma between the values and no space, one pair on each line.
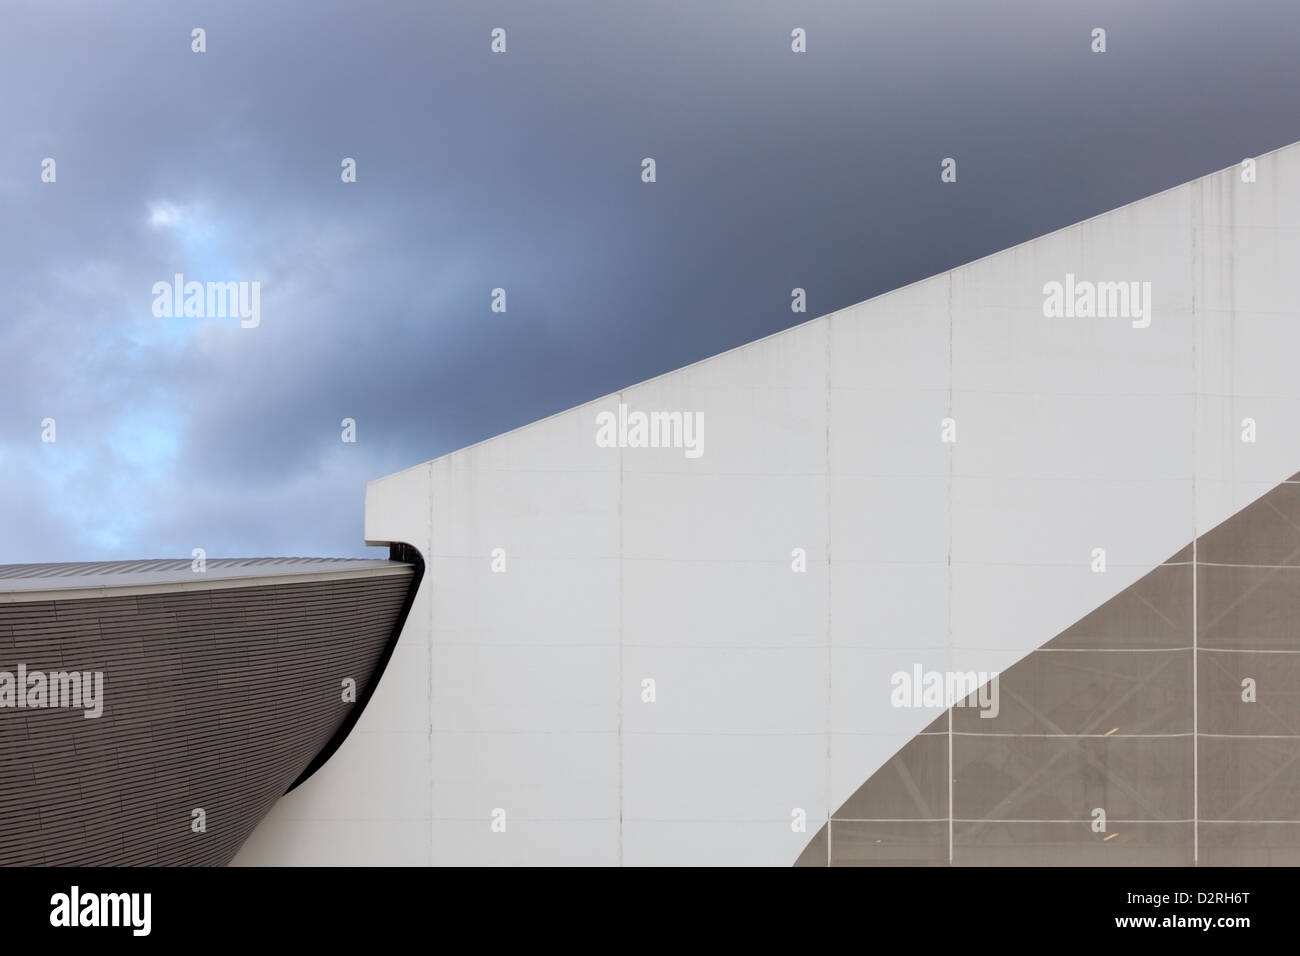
[152,713]
[1064,471]
[999,568]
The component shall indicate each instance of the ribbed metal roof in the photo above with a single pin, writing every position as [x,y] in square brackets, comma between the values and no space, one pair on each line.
[165,574]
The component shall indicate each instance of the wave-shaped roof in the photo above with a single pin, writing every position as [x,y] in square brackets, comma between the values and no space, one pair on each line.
[173,573]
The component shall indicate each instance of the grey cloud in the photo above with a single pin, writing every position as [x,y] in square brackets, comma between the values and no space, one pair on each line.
[519,171]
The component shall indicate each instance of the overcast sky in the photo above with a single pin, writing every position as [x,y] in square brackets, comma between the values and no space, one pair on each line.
[519,171]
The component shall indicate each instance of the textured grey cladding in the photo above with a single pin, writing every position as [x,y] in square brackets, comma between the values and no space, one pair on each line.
[1140,710]
[214,699]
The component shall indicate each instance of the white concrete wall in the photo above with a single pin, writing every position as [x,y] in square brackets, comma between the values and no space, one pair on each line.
[521,690]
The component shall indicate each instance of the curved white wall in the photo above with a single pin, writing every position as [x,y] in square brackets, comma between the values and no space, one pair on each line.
[522,690]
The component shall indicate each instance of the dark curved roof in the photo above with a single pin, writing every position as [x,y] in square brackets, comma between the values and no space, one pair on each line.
[178,574]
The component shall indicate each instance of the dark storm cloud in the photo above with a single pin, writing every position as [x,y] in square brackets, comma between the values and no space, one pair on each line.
[519,171]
